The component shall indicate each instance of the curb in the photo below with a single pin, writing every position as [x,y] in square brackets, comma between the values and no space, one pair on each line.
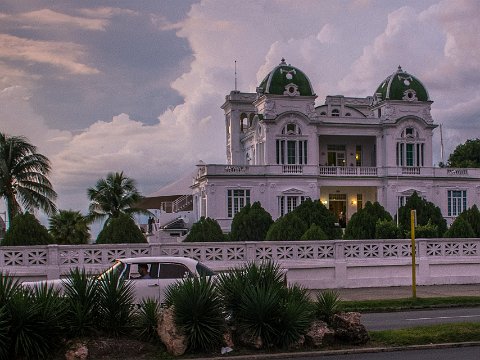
[295,355]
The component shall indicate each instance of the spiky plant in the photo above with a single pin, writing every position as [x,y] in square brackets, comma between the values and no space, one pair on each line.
[8,287]
[328,304]
[146,319]
[4,331]
[198,312]
[115,304]
[81,294]
[295,317]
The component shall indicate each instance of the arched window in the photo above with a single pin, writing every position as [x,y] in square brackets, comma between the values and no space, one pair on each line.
[348,114]
[323,113]
[291,149]
[410,149]
[335,112]
[243,122]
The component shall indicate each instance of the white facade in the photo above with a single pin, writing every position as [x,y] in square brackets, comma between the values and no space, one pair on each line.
[282,149]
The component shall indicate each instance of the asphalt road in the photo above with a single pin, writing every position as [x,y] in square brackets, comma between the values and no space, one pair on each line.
[406,319]
[463,353]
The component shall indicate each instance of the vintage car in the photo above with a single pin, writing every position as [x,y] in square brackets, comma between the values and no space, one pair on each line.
[159,273]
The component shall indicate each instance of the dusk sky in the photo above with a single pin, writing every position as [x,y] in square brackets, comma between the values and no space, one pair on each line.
[136,86]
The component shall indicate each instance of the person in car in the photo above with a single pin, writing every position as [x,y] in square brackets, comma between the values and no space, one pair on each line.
[143,271]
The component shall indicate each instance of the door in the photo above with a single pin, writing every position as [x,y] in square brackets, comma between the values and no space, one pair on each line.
[337,204]
[144,286]
[169,274]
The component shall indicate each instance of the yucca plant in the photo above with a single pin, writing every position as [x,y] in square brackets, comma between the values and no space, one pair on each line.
[328,304]
[8,287]
[198,312]
[296,315]
[4,331]
[258,314]
[146,319]
[115,304]
[82,295]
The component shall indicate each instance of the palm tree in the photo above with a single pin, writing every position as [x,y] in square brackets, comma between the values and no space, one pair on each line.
[112,196]
[23,177]
[69,227]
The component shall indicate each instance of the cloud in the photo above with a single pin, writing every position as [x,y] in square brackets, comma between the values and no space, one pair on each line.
[328,34]
[47,17]
[65,55]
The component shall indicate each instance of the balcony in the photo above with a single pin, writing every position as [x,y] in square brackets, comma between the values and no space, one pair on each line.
[335,171]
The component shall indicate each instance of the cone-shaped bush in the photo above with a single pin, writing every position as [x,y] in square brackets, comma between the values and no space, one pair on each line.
[121,230]
[26,230]
[251,223]
[460,228]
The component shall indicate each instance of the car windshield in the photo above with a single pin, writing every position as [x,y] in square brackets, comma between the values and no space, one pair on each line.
[203,270]
[116,269]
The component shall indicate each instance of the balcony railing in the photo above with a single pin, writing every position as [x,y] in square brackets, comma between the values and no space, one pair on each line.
[339,171]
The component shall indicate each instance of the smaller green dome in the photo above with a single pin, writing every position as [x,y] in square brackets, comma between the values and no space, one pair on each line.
[286,80]
[402,86]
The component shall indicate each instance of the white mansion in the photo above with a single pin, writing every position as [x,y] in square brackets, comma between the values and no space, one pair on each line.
[281,149]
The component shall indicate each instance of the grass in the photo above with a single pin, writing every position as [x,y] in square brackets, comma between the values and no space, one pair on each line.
[422,335]
[409,303]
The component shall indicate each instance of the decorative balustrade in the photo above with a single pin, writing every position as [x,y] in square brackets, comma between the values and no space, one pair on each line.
[313,264]
[348,171]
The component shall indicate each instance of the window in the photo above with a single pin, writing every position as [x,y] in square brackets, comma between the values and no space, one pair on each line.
[287,203]
[173,271]
[409,150]
[336,155]
[457,202]
[359,201]
[358,155]
[335,112]
[236,200]
[291,151]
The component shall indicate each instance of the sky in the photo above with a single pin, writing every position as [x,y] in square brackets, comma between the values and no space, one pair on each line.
[136,86]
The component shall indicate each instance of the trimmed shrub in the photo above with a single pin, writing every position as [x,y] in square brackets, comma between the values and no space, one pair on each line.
[387,229]
[314,212]
[251,223]
[287,227]
[460,228]
[26,230]
[315,232]
[121,230]
[427,212]
[198,312]
[205,230]
[472,216]
[363,223]
[427,231]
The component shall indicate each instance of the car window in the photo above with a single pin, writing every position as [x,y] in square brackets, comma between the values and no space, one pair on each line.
[173,271]
[117,268]
[203,270]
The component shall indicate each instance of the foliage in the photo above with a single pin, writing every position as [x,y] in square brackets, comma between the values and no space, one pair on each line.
[287,227]
[387,229]
[121,230]
[315,232]
[26,230]
[328,304]
[23,177]
[472,216]
[460,228]
[115,304]
[81,294]
[4,331]
[314,212]
[363,223]
[69,227]
[427,231]
[146,320]
[426,212]
[198,312]
[113,196]
[205,230]
[251,223]
[261,307]
[466,155]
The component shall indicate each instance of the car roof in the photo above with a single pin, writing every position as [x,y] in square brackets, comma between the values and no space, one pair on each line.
[149,259]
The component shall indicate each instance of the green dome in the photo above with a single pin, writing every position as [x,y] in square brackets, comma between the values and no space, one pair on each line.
[402,86]
[286,80]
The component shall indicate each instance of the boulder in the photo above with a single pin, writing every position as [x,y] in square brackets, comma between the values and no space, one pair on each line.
[172,338]
[348,327]
[319,334]
[77,351]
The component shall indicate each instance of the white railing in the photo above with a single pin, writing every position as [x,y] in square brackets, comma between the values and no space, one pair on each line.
[315,264]
[348,170]
[182,203]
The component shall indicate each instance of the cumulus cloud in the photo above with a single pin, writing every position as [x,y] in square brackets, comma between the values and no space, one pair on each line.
[328,34]
[65,55]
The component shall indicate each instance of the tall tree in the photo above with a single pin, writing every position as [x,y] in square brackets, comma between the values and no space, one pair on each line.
[69,227]
[112,196]
[466,155]
[23,177]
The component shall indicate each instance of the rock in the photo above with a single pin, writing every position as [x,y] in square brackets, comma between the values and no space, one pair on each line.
[319,334]
[297,344]
[77,351]
[348,327]
[228,338]
[172,338]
